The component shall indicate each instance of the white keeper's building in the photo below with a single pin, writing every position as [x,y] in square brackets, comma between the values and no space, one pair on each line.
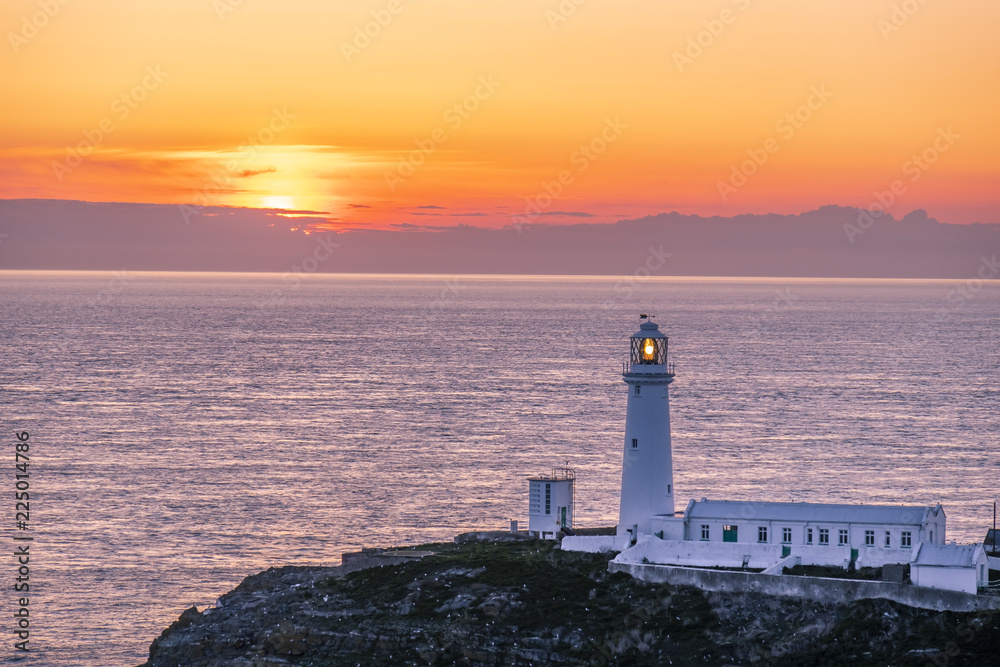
[753,534]
[861,527]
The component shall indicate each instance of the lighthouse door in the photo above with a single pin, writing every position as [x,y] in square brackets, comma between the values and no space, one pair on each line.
[562,517]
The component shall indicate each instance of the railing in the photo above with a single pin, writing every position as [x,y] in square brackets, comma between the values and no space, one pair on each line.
[991,589]
[627,368]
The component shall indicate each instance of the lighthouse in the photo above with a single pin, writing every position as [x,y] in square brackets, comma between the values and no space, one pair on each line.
[746,533]
[647,468]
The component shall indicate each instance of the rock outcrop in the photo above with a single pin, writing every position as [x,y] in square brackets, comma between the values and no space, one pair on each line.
[528,603]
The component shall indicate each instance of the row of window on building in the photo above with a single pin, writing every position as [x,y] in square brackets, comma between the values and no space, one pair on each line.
[534,500]
[731,534]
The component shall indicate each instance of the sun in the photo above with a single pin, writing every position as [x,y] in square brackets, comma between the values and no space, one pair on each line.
[278,201]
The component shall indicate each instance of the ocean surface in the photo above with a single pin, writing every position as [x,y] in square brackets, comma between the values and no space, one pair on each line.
[187,430]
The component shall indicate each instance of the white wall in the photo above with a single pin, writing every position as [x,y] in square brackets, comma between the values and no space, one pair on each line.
[727,554]
[747,533]
[875,557]
[593,544]
[562,496]
[672,527]
[700,554]
[949,578]
[982,568]
[824,556]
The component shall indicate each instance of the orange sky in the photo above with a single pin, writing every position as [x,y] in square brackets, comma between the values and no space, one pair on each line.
[473,112]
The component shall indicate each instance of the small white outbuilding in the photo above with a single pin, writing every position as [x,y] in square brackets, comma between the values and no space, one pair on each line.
[550,503]
[951,567]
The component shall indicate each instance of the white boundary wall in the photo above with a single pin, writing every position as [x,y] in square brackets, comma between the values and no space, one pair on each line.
[591,544]
[727,554]
[814,588]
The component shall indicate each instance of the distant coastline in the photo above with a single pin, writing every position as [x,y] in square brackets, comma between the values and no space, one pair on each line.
[829,242]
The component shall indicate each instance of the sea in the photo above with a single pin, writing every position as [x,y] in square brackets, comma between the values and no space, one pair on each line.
[186,430]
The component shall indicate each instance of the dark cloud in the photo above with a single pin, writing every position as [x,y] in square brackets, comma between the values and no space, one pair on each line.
[832,241]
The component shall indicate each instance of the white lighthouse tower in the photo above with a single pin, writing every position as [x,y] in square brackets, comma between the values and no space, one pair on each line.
[647,504]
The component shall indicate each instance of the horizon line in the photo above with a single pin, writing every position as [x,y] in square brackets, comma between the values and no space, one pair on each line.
[599,277]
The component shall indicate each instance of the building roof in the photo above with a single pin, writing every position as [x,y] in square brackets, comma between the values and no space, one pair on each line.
[992,538]
[947,555]
[648,329]
[739,510]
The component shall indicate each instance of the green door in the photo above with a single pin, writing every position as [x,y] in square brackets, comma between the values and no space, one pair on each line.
[562,517]
[730,533]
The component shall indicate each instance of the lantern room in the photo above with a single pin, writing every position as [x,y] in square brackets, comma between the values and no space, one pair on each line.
[648,346]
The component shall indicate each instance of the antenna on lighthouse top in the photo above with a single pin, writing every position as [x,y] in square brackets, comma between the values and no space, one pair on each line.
[643,316]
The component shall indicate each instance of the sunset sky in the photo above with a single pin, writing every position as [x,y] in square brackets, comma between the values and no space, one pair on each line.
[474,112]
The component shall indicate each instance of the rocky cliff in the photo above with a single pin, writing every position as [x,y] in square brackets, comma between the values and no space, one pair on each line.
[528,603]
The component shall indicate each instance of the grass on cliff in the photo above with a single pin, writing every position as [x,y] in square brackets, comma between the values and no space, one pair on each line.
[555,592]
